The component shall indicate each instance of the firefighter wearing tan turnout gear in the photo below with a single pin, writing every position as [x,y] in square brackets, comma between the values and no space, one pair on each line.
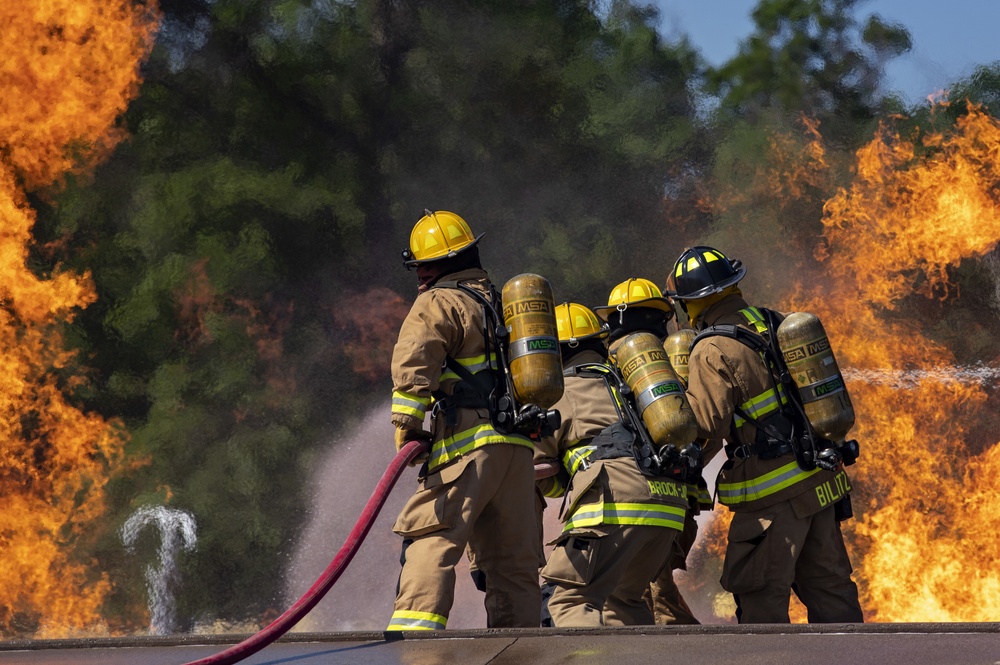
[618,523]
[785,534]
[476,487]
[638,305]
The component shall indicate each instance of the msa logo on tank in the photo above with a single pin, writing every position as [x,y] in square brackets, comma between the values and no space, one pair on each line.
[648,356]
[807,350]
[526,307]
[666,389]
[828,387]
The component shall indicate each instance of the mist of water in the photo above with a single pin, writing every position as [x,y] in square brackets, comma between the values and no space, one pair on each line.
[985,375]
[177,530]
[341,485]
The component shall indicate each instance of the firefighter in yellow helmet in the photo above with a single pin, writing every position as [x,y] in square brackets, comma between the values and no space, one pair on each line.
[617,522]
[785,533]
[638,305]
[476,487]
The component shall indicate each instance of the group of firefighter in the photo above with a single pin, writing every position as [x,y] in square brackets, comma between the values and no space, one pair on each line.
[628,478]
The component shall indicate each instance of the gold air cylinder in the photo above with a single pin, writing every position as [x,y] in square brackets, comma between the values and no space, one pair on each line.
[678,348]
[658,393]
[807,353]
[535,364]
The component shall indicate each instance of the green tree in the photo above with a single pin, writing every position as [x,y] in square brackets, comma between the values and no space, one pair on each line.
[812,57]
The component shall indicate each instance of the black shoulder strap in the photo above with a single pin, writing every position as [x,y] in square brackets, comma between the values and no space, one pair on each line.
[770,354]
[732,331]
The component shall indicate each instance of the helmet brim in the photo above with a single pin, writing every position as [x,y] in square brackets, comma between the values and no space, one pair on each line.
[413,263]
[661,304]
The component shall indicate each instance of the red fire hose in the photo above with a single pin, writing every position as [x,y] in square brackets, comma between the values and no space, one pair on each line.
[546,470]
[294,614]
[321,586]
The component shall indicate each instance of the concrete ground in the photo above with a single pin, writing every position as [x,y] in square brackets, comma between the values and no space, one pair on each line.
[847,644]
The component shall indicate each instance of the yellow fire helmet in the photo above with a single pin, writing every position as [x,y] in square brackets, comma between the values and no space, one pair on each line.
[576,323]
[634,292]
[438,235]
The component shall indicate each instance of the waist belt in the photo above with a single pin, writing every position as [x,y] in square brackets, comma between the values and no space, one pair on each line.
[762,449]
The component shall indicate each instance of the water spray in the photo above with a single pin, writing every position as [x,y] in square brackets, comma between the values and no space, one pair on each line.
[177,531]
[977,373]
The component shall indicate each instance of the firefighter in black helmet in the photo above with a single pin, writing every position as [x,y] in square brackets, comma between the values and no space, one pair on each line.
[785,534]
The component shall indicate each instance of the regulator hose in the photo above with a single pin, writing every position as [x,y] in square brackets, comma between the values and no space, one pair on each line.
[321,586]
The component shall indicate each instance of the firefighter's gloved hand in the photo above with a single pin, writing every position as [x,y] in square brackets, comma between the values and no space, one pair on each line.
[406,434]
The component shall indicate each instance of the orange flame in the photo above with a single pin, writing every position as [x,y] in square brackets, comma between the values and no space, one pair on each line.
[922,541]
[67,69]
[925,533]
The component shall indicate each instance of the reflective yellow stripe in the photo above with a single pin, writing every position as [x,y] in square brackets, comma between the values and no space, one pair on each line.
[474,364]
[574,457]
[410,405]
[410,620]
[754,318]
[557,489]
[731,494]
[761,405]
[445,450]
[642,514]
[701,494]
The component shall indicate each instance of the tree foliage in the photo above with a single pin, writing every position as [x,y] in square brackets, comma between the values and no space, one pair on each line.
[812,57]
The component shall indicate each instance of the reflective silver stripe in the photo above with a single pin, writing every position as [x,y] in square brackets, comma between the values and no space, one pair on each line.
[480,435]
[530,345]
[758,488]
[754,408]
[573,457]
[416,620]
[658,391]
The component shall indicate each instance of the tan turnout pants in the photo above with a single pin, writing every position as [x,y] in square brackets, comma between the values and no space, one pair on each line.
[600,580]
[773,551]
[486,500]
[669,606]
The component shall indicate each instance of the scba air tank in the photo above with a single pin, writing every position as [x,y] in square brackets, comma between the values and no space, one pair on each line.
[658,393]
[678,348]
[535,364]
[807,353]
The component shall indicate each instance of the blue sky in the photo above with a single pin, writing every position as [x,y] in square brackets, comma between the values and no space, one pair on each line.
[949,38]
